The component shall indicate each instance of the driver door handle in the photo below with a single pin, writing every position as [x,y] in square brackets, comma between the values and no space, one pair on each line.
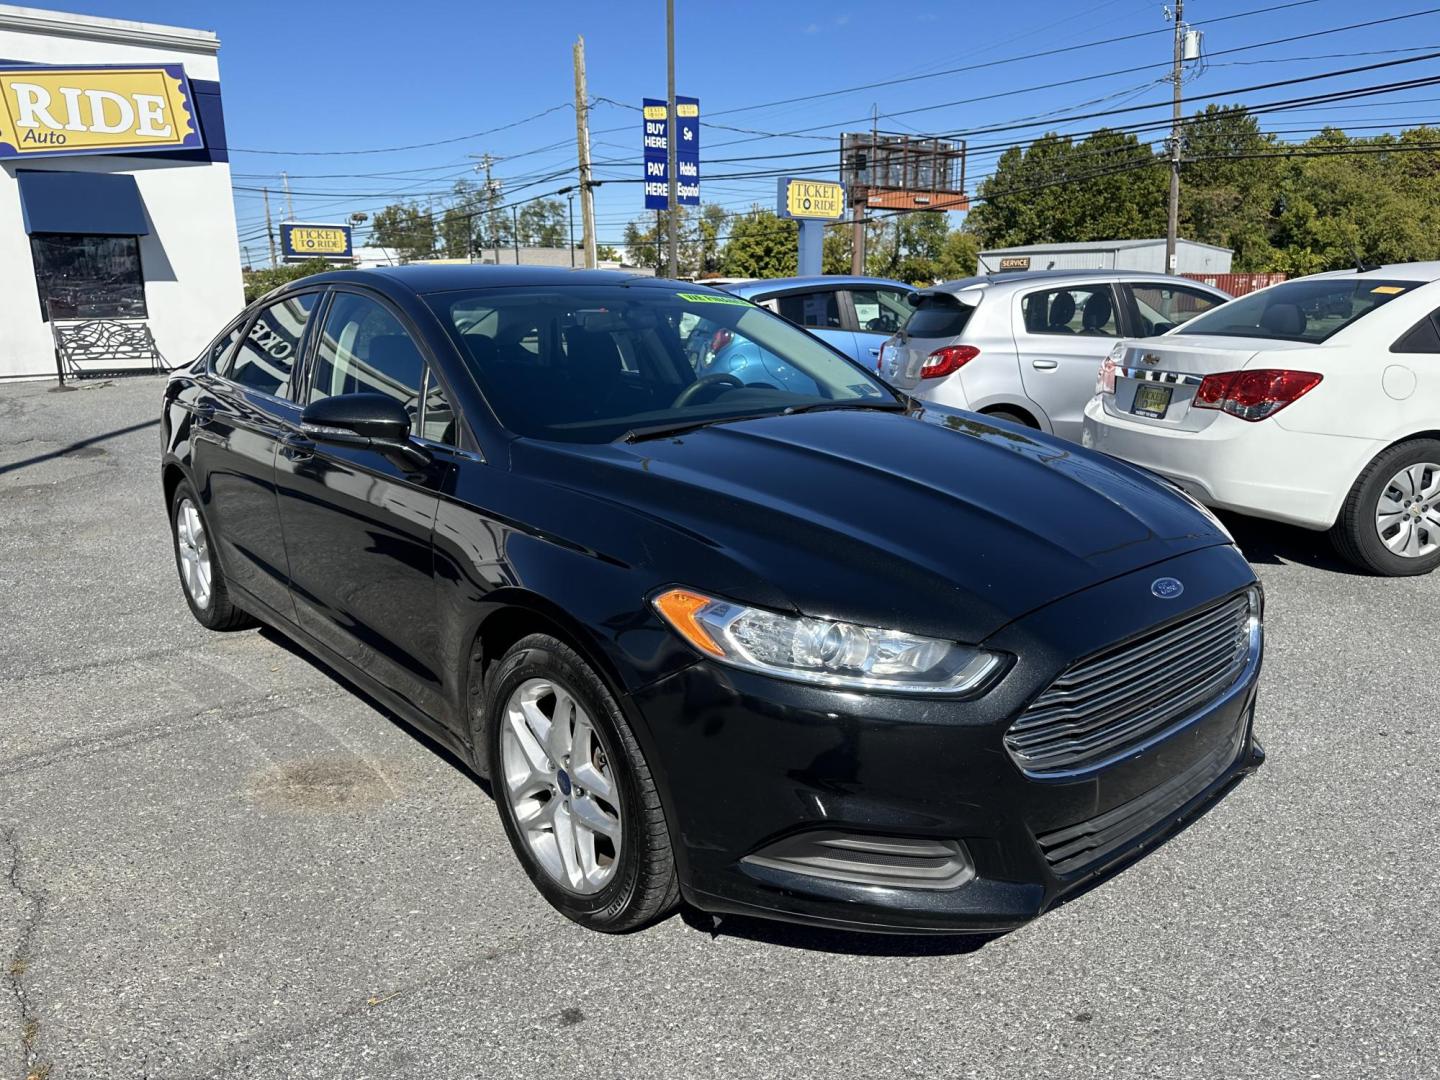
[1045,365]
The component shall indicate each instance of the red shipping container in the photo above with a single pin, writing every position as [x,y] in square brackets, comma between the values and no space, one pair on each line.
[1238,284]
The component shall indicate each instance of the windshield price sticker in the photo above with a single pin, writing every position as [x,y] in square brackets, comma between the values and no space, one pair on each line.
[705,298]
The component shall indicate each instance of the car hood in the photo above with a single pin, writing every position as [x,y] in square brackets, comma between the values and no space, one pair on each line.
[935,522]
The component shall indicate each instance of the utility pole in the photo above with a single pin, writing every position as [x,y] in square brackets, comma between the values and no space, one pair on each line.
[515,231]
[674,222]
[1172,227]
[491,193]
[582,144]
[269,228]
[289,206]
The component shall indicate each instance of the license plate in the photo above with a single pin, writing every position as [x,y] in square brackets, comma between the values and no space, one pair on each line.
[1152,401]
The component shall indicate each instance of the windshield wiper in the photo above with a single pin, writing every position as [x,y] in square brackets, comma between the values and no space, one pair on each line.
[679,427]
[861,403]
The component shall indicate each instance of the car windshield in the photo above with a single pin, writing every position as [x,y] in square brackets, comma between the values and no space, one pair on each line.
[589,364]
[1309,310]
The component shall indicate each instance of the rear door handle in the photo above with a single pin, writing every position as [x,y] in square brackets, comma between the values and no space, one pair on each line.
[298,448]
[1045,365]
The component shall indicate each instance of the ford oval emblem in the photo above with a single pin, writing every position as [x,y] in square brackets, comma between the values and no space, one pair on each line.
[1167,588]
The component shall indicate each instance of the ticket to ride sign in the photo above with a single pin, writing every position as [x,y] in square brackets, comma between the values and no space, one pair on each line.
[45,111]
[301,242]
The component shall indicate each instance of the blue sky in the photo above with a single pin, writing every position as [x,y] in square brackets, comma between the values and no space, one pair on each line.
[309,77]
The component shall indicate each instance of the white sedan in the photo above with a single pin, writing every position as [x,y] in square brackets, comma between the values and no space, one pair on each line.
[1314,402]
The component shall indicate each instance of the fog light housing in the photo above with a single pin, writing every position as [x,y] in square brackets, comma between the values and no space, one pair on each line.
[861,859]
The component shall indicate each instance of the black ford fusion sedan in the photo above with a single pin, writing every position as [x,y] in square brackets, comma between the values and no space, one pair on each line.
[777,641]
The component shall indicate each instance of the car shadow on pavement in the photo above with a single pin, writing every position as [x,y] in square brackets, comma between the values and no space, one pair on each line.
[823,939]
[439,749]
[79,444]
[1270,542]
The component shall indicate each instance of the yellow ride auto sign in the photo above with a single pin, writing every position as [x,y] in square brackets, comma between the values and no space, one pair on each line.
[814,199]
[46,111]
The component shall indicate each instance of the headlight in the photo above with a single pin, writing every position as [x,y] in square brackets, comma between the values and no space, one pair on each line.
[823,651]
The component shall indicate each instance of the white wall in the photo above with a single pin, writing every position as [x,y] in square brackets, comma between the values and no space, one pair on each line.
[191,259]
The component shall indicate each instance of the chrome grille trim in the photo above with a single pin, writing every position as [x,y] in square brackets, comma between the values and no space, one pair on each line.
[1105,707]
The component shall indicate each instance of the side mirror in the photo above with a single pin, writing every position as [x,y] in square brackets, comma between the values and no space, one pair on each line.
[376,421]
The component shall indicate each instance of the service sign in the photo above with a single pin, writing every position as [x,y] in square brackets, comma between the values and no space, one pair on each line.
[1014,262]
[821,200]
[46,111]
[301,242]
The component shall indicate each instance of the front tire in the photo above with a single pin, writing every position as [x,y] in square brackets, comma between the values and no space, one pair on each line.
[1390,523]
[201,578]
[574,791]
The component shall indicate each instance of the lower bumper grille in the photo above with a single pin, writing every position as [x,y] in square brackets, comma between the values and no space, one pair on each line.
[1111,702]
[1079,846]
[893,861]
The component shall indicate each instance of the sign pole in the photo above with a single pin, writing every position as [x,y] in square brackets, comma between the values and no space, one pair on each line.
[811,203]
[673,176]
[269,229]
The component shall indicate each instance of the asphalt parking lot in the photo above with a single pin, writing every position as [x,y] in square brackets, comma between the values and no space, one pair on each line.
[218,861]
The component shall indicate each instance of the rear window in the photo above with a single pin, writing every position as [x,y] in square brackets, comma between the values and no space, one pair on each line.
[1309,310]
[938,315]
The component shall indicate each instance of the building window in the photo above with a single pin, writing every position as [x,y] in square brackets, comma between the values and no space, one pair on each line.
[89,277]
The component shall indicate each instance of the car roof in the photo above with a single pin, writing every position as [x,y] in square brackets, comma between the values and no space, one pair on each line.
[450,277]
[1026,277]
[759,285]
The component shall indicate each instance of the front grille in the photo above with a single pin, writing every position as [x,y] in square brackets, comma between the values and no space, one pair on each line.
[1080,846]
[1104,705]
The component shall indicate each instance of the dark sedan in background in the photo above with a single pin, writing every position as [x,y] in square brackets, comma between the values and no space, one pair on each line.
[823,654]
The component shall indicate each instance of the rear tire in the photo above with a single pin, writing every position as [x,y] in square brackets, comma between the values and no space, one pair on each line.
[559,795]
[201,578]
[1395,498]
[1014,417]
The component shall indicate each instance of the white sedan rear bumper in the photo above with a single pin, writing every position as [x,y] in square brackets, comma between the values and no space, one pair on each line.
[1259,468]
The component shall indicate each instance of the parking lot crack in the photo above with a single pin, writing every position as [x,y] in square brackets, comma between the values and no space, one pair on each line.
[31,905]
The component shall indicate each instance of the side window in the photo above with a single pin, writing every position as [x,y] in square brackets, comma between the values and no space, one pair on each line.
[820,310]
[1423,337]
[364,349]
[1087,309]
[266,358]
[880,311]
[437,422]
[1164,307]
[219,356]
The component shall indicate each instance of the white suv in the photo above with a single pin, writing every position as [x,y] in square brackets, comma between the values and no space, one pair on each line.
[1026,346]
[1315,402]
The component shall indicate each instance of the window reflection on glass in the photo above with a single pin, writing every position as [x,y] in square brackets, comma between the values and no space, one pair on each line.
[1166,307]
[89,277]
[266,358]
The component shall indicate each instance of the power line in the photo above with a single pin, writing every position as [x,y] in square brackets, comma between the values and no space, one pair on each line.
[412,146]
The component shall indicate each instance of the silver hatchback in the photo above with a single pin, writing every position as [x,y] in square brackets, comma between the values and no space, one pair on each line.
[1027,346]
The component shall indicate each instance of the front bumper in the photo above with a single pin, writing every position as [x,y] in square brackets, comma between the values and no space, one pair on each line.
[745,761]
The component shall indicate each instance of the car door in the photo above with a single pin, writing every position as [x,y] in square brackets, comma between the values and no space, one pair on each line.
[817,310]
[878,313]
[241,415]
[358,524]
[1062,334]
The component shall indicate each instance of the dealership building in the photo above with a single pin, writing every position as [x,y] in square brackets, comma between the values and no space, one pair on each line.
[115,204]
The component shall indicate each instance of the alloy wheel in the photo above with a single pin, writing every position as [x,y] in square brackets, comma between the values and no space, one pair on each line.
[1407,515]
[560,786]
[194,552]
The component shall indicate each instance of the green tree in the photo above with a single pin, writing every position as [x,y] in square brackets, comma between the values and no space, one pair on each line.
[407,228]
[543,223]
[259,282]
[761,245]
[710,232]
